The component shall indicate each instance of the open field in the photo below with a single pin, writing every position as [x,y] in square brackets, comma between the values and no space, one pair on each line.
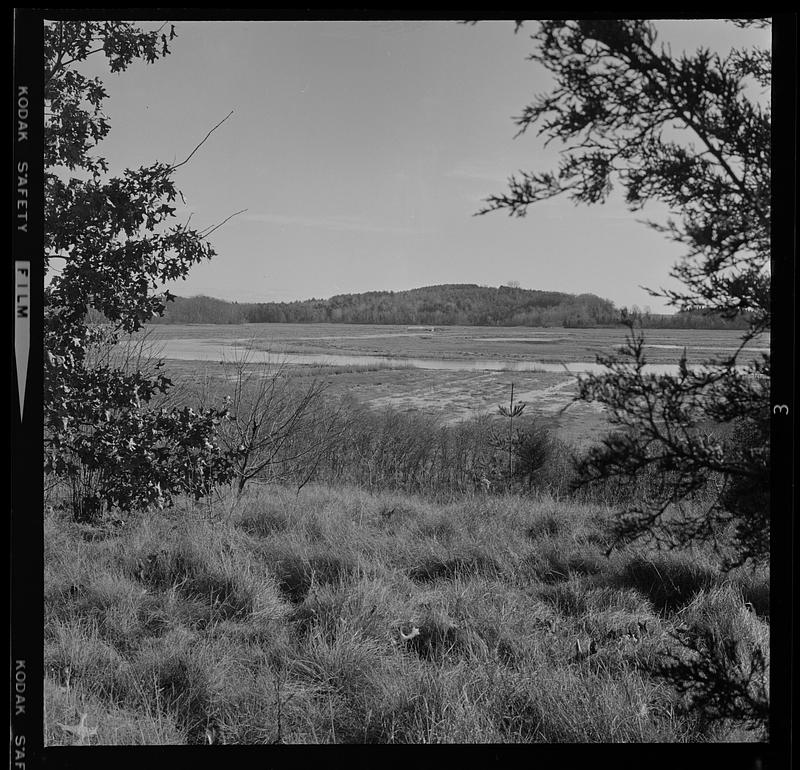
[338,616]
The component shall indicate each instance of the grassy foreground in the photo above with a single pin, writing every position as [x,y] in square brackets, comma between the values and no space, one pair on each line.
[335,616]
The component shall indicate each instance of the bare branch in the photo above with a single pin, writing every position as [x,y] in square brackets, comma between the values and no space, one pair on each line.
[205,233]
[172,168]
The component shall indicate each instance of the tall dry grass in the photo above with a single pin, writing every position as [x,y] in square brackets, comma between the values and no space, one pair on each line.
[338,615]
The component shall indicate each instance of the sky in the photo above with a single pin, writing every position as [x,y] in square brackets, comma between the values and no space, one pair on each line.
[362,150]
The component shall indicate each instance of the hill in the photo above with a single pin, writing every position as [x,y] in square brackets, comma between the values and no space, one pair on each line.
[462,304]
[448,304]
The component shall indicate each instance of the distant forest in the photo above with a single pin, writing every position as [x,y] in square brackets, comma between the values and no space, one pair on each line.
[448,304]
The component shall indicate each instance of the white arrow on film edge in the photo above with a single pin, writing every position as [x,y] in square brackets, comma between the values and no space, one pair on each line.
[22,326]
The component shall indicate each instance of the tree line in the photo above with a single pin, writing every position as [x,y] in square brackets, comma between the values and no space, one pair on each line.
[450,304]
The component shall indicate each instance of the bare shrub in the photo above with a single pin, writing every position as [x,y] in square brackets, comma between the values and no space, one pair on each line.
[278,430]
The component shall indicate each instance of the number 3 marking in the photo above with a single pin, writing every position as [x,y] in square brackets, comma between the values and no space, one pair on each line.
[780,409]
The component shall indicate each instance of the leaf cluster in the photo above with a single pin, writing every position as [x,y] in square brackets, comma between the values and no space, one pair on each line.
[119,245]
[75,119]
